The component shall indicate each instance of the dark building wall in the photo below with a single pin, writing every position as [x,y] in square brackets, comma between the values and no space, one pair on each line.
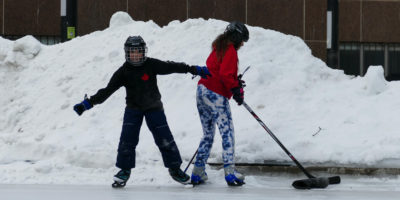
[24,17]
[381,21]
[369,21]
[1,17]
[48,17]
[95,14]
[315,20]
[318,49]
[20,17]
[359,20]
[315,27]
[303,18]
[350,20]
[369,33]
[228,10]
[161,12]
[284,15]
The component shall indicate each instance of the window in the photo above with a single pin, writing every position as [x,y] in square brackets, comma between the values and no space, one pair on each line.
[355,58]
[374,54]
[350,58]
[394,62]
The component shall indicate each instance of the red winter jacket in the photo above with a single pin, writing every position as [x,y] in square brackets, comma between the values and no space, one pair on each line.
[224,74]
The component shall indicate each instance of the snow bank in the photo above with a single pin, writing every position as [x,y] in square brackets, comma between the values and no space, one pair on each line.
[375,80]
[120,19]
[28,46]
[319,114]
[5,47]
[23,50]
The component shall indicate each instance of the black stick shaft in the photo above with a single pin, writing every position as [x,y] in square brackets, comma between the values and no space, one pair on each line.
[194,155]
[277,141]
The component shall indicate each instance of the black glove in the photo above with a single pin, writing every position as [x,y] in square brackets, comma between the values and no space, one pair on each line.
[201,71]
[238,95]
[83,106]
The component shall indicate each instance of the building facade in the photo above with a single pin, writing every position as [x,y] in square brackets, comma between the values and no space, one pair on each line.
[368,30]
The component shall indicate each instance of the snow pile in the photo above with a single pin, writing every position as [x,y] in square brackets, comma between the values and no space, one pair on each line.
[319,114]
[23,50]
[5,47]
[27,46]
[375,80]
[120,19]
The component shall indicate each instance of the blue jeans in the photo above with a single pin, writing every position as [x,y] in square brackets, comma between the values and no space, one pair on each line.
[157,123]
[214,110]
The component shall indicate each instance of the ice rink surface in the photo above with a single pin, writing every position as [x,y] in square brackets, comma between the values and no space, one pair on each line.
[266,188]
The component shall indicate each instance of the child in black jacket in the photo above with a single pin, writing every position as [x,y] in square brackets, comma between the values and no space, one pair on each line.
[143,100]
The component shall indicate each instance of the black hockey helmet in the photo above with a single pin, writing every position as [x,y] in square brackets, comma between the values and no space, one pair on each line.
[135,44]
[237,32]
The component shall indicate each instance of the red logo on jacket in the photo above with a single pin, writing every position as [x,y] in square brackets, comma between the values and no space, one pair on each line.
[145,77]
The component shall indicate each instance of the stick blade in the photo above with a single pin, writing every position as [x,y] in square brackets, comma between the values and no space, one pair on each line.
[334,180]
[311,183]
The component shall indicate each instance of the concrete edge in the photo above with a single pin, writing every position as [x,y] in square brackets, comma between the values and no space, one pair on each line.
[262,168]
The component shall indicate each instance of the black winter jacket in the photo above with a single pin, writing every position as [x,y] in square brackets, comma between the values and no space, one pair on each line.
[140,83]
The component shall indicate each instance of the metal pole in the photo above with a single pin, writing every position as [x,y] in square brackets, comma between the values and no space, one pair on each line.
[332,38]
[64,24]
[68,19]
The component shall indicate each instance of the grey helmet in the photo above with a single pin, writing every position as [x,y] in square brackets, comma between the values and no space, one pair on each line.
[138,45]
[237,33]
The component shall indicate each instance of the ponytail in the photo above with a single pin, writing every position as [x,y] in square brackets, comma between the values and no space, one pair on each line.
[220,45]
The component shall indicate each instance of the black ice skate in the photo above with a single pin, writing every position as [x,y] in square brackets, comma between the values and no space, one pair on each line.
[178,175]
[121,178]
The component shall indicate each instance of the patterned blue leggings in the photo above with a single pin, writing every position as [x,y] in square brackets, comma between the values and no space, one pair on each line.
[214,109]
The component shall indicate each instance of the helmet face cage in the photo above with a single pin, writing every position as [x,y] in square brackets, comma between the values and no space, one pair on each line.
[136,55]
[135,50]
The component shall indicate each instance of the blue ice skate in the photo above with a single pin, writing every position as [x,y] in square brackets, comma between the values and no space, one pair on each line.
[232,177]
[199,175]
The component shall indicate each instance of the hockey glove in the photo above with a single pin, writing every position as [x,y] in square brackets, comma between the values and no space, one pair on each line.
[242,83]
[201,71]
[83,106]
[238,95]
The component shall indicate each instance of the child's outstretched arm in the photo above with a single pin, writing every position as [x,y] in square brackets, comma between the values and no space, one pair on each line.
[169,67]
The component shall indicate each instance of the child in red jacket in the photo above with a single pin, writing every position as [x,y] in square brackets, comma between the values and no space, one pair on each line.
[213,96]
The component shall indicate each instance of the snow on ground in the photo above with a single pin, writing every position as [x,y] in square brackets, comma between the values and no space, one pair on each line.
[42,140]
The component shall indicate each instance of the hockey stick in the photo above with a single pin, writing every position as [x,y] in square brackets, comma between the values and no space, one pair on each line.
[312,181]
[190,162]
